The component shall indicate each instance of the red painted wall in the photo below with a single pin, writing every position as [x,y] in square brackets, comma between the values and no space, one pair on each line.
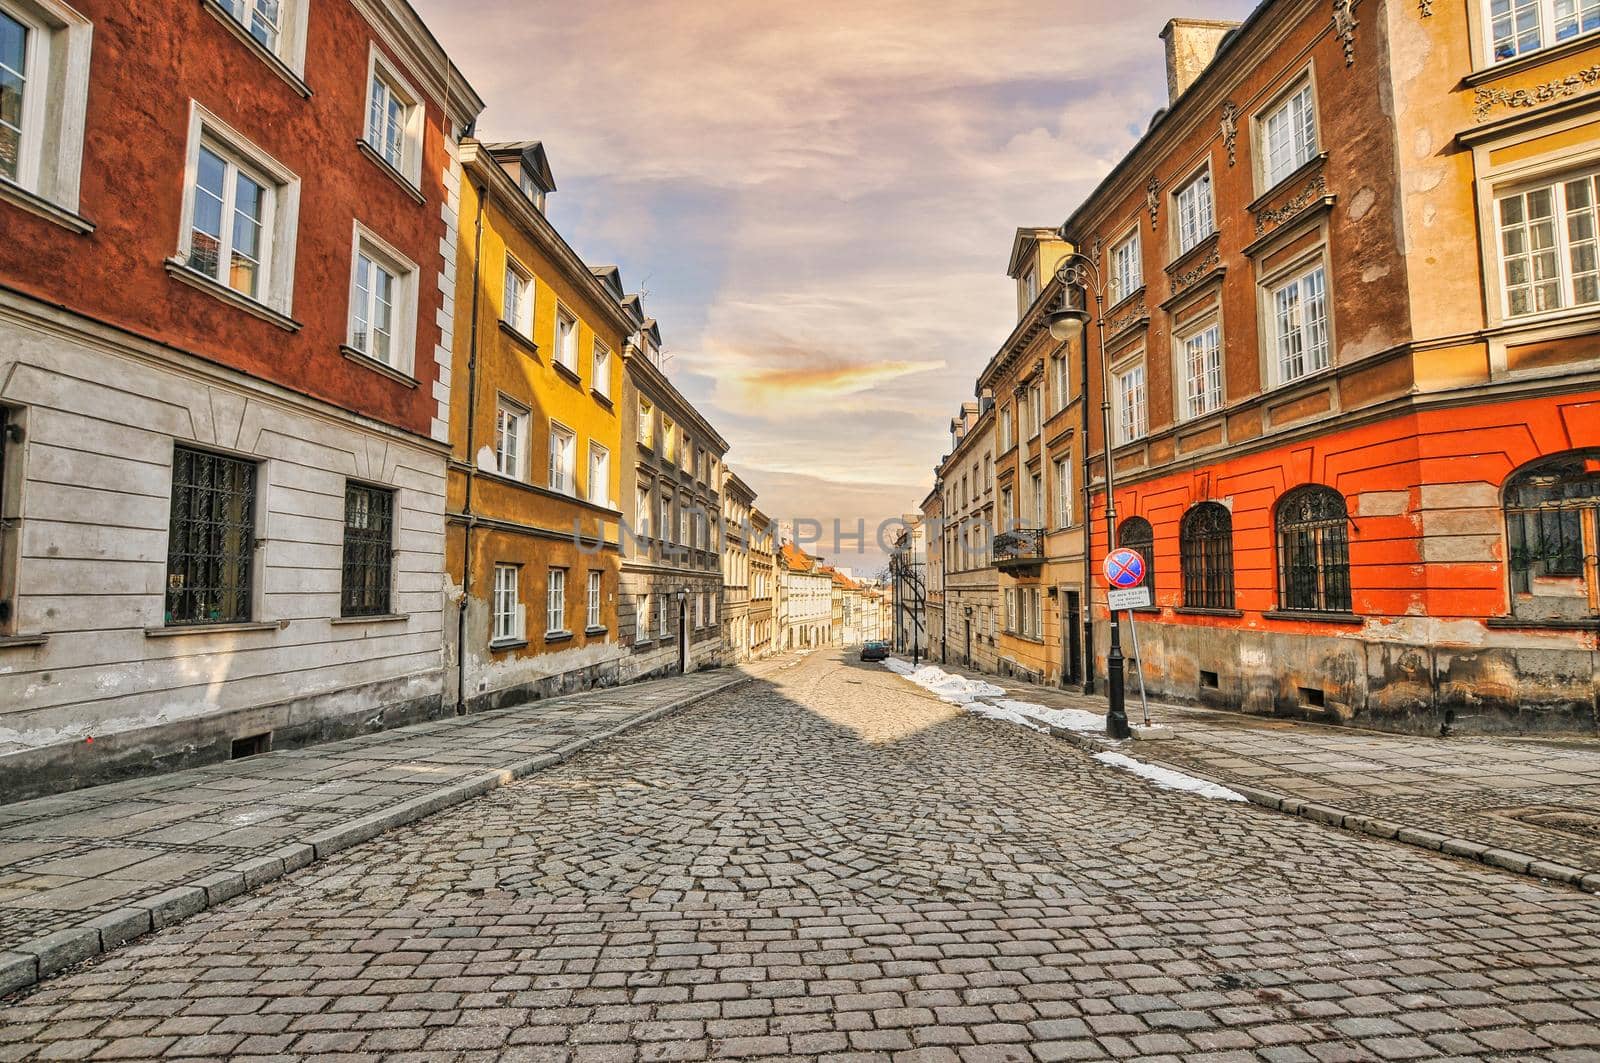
[149,60]
[1481,444]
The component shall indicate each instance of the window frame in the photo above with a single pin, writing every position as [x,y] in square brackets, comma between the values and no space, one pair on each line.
[517,617]
[56,68]
[1301,83]
[1200,177]
[383,559]
[1295,273]
[597,450]
[1120,287]
[524,417]
[248,554]
[403,311]
[1062,511]
[288,59]
[1138,533]
[566,343]
[1126,366]
[520,318]
[1482,20]
[555,602]
[1192,410]
[646,433]
[1206,562]
[1340,543]
[283,202]
[600,368]
[568,470]
[1554,179]
[594,613]
[381,69]
[644,506]
[1575,515]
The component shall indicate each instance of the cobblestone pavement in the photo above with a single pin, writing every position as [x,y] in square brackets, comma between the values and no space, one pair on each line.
[77,856]
[1534,796]
[833,865]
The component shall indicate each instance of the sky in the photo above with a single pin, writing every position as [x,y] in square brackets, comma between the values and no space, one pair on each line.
[818,200]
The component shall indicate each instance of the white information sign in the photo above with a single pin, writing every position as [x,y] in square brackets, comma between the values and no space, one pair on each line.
[1133,598]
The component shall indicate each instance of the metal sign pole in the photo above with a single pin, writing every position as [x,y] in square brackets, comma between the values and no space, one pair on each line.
[1138,662]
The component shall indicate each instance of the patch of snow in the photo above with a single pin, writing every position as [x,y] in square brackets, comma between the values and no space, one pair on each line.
[1079,720]
[1168,779]
[952,689]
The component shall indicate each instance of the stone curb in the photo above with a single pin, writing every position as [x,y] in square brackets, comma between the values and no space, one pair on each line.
[1464,848]
[33,961]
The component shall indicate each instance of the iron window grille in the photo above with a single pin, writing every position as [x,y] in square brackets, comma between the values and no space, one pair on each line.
[368,551]
[211,545]
[1553,524]
[1314,551]
[1206,547]
[1136,533]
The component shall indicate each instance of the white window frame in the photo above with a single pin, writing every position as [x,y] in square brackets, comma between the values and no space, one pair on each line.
[663,622]
[644,506]
[1203,393]
[1562,217]
[1133,419]
[1006,429]
[596,612]
[1274,171]
[513,412]
[562,471]
[1315,360]
[517,312]
[380,70]
[403,336]
[1061,375]
[664,531]
[55,102]
[1062,486]
[1194,214]
[1546,11]
[600,374]
[1125,267]
[566,339]
[647,423]
[290,49]
[279,225]
[555,602]
[599,494]
[510,616]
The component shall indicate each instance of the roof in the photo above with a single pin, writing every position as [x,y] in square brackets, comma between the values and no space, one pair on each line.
[533,158]
[611,277]
[796,559]
[1026,240]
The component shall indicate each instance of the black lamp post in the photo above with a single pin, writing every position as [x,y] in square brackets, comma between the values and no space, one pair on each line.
[1079,278]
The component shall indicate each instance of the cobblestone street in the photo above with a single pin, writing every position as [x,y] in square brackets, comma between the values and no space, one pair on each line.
[831,863]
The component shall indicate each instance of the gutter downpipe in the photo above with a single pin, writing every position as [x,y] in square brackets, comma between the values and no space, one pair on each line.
[472,460]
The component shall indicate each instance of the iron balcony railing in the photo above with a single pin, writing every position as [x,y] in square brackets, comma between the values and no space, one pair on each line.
[1022,548]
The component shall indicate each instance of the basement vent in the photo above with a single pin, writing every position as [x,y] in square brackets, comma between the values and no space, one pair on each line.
[1312,698]
[252,746]
[1209,681]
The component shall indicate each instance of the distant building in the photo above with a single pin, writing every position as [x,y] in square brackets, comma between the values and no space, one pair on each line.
[805,600]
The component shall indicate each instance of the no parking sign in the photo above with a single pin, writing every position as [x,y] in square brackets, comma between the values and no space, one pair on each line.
[1125,571]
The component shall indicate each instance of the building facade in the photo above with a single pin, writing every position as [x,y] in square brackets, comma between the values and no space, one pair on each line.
[533,539]
[971,599]
[1349,335]
[933,520]
[805,600]
[672,567]
[763,586]
[226,389]
[735,533]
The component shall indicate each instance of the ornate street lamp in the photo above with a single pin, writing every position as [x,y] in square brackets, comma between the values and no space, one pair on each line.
[1080,278]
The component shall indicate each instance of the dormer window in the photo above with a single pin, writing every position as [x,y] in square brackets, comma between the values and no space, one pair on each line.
[531,189]
[1030,288]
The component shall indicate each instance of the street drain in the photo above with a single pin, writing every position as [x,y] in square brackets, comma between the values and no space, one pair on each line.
[1566,820]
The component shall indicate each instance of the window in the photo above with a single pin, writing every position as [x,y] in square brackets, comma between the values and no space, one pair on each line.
[664,529]
[1300,325]
[1205,545]
[669,441]
[1521,26]
[647,423]
[563,448]
[1063,492]
[683,525]
[517,310]
[1553,537]
[511,440]
[1011,609]
[988,473]
[599,474]
[44,86]
[368,550]
[510,616]
[1196,219]
[1037,515]
[1131,414]
[1127,271]
[1202,372]
[567,340]
[594,618]
[1038,614]
[394,119]
[1008,511]
[1290,134]
[1314,551]
[1036,406]
[555,602]
[1547,246]
[1058,371]
[600,380]
[1005,429]
[1029,288]
[382,317]
[240,210]
[663,627]
[1136,533]
[212,539]
[641,512]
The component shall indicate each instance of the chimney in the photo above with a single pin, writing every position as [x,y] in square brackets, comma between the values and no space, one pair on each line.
[1191,44]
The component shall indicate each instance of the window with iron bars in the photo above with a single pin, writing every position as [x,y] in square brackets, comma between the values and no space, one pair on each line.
[1136,533]
[1553,538]
[1314,551]
[211,545]
[368,551]
[1206,546]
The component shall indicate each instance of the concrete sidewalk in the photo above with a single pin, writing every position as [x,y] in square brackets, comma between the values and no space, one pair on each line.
[1524,804]
[83,872]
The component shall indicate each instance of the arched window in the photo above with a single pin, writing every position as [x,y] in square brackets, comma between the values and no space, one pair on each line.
[1553,537]
[1205,542]
[1135,533]
[1314,551]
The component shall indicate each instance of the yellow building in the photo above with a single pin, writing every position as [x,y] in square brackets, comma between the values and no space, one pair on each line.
[536,443]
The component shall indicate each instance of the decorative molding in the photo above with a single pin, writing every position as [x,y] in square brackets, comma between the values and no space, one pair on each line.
[1315,189]
[1201,268]
[1425,8]
[1230,130]
[1137,314]
[1344,27]
[1152,199]
[1486,100]
[1097,249]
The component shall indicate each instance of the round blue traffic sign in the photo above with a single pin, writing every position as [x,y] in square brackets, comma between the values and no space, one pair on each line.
[1125,569]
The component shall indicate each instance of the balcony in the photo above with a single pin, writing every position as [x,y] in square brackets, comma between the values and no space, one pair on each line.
[1019,550]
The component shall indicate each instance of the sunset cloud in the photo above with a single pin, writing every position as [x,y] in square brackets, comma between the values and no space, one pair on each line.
[819,200]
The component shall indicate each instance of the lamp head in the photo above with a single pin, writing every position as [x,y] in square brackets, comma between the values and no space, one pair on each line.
[1067,324]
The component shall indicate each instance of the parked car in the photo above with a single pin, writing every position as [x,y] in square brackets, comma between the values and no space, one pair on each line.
[875,651]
